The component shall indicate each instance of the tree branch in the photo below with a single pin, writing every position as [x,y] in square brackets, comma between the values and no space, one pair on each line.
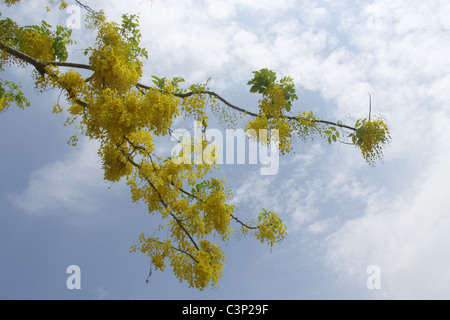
[242,223]
[245,112]
[67,64]
[40,66]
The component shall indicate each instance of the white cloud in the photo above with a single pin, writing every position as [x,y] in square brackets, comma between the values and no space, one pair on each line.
[313,13]
[220,10]
[67,185]
[396,50]
[407,236]
[266,6]
[302,162]
[251,50]
[321,226]
[255,192]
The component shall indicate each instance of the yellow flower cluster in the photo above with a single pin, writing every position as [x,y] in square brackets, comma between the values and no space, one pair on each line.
[216,213]
[115,165]
[112,61]
[253,128]
[159,109]
[370,138]
[73,81]
[4,103]
[37,45]
[194,106]
[157,249]
[270,228]
[200,269]
[285,135]
[271,117]
[209,267]
[273,101]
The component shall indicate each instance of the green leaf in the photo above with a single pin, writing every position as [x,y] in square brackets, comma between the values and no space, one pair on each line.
[159,82]
[12,93]
[175,83]
[353,136]
[262,80]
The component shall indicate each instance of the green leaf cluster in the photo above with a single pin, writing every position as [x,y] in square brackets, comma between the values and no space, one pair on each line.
[212,184]
[262,80]
[61,37]
[11,92]
[130,31]
[332,133]
[162,82]
[289,91]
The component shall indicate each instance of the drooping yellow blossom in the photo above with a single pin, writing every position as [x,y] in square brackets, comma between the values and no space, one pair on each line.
[112,61]
[371,137]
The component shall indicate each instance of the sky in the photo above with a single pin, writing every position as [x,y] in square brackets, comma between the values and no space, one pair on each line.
[343,216]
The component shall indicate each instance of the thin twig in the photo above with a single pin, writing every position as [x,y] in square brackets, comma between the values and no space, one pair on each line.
[87,8]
